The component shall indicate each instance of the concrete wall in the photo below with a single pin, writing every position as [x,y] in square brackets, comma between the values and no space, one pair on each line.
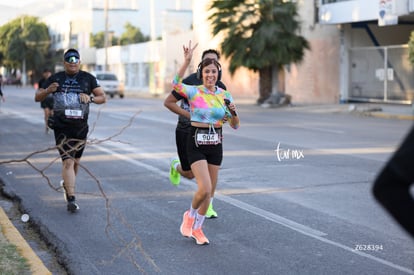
[172,54]
[316,79]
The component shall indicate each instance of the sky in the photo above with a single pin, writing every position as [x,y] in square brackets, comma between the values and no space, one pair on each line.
[10,9]
[19,3]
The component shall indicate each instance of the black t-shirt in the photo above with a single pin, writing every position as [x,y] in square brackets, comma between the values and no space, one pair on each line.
[48,101]
[67,108]
[42,83]
[183,122]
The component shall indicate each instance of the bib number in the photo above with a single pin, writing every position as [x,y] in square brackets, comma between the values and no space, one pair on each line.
[70,113]
[208,139]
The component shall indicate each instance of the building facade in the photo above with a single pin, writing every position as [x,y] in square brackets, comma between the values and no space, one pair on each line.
[358,50]
[373,53]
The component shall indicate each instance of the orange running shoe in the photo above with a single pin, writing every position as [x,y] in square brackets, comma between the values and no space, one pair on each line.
[186,227]
[199,237]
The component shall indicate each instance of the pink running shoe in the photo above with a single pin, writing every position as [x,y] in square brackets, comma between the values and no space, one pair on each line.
[199,237]
[186,227]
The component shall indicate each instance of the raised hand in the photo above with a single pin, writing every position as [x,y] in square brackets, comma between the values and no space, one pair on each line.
[188,51]
[188,54]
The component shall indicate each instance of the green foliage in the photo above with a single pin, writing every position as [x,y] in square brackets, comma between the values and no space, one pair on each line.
[258,33]
[411,48]
[10,261]
[131,35]
[24,38]
[98,40]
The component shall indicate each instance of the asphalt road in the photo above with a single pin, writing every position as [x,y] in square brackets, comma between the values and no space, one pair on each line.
[293,194]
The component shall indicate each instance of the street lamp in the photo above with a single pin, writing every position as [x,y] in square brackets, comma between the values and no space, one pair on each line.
[106,35]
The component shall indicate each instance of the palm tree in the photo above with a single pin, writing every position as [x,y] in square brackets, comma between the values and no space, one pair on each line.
[411,48]
[261,35]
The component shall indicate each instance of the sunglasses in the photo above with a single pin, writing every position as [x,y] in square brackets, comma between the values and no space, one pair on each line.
[72,59]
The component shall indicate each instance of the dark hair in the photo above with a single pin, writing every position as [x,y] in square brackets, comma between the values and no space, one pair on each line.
[206,62]
[47,70]
[209,61]
[210,51]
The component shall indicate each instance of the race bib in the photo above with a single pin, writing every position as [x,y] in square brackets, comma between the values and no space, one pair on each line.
[207,137]
[70,113]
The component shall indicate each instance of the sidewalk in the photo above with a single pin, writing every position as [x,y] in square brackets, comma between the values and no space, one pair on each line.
[404,112]
[380,110]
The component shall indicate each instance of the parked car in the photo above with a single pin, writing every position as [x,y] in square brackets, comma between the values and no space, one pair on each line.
[110,83]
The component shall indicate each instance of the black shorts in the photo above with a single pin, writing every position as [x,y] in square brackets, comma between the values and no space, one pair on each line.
[71,140]
[181,140]
[212,153]
[47,102]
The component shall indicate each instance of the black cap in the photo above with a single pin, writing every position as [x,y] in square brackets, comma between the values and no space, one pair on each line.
[70,53]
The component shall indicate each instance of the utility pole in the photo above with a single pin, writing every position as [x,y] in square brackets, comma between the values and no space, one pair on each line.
[152,78]
[106,35]
[23,73]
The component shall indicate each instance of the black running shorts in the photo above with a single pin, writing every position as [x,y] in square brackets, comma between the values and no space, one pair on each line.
[212,153]
[181,140]
[71,140]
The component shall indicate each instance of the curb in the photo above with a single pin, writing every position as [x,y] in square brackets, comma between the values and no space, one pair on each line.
[12,234]
[391,116]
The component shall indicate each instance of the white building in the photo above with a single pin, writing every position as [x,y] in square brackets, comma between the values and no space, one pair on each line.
[369,41]
[358,47]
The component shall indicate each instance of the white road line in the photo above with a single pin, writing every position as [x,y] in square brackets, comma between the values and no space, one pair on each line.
[270,216]
[303,229]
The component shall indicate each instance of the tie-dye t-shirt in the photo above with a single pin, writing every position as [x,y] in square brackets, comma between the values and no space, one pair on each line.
[205,106]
